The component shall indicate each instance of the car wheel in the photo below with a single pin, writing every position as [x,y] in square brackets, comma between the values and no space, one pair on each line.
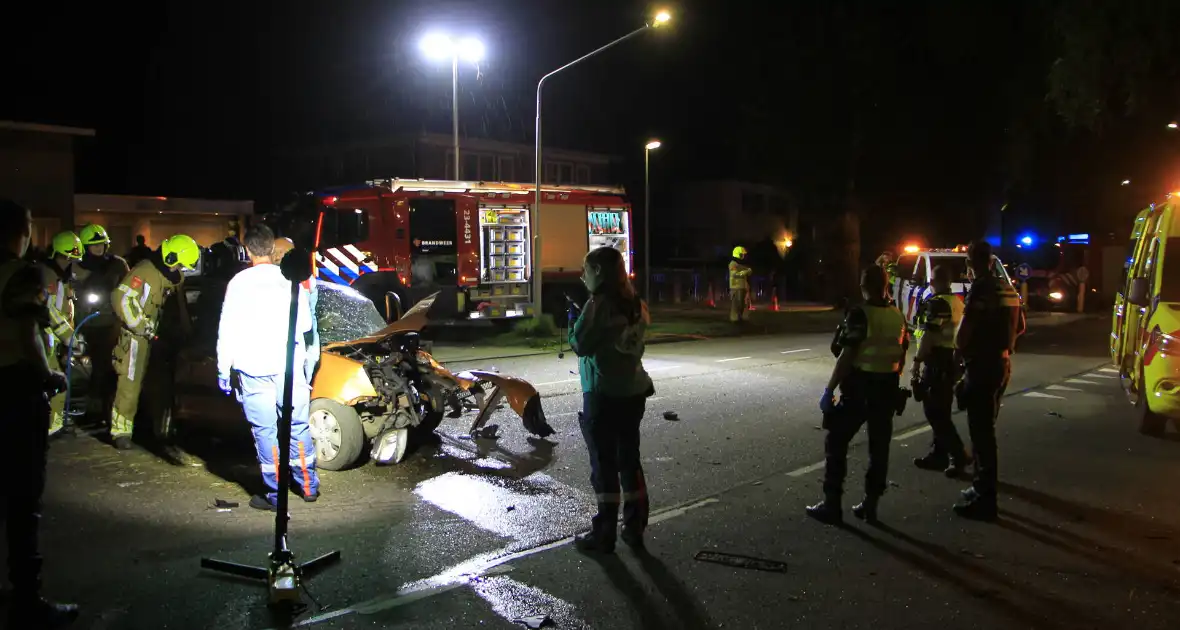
[1150,423]
[339,437]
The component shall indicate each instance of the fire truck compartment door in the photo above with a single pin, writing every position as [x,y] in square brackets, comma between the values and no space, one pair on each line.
[564,236]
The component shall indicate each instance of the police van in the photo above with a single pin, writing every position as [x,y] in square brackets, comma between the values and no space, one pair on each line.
[914,268]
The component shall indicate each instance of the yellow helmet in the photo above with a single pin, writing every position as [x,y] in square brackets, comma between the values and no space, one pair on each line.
[180,249]
[67,244]
[739,252]
[94,234]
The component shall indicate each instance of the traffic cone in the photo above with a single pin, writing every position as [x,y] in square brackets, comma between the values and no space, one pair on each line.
[709,298]
[774,300]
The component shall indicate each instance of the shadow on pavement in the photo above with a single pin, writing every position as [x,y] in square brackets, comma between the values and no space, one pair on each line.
[943,565]
[639,601]
[1129,526]
[687,610]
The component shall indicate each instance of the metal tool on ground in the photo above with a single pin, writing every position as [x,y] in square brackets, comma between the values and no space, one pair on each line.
[283,575]
[741,562]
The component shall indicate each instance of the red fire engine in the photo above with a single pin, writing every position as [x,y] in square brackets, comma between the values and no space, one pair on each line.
[473,242]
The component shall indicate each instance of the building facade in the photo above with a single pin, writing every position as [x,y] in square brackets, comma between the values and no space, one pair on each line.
[156,218]
[708,218]
[430,156]
[37,171]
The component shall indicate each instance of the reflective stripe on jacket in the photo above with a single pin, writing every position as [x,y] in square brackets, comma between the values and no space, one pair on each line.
[946,327]
[883,349]
[739,275]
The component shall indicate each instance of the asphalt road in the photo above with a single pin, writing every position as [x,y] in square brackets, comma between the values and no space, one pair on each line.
[474,533]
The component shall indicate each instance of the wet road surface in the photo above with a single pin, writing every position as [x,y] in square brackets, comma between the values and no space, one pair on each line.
[471,532]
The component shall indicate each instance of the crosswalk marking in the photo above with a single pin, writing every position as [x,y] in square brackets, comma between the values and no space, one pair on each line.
[1041,395]
[1097,375]
[1109,370]
[1062,388]
[1078,381]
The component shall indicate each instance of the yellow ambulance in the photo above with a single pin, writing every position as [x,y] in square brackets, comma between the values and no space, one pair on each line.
[1148,331]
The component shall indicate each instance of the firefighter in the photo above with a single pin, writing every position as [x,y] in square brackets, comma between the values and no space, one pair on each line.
[992,321]
[739,285]
[872,347]
[95,277]
[138,303]
[57,279]
[28,379]
[935,371]
[252,364]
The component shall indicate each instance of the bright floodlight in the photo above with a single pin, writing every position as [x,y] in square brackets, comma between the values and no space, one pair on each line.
[653,145]
[437,46]
[471,49]
[1126,181]
[662,17]
[1173,125]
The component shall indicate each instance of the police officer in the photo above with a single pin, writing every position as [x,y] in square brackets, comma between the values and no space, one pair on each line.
[95,277]
[27,378]
[138,302]
[739,285]
[992,321]
[872,344]
[251,363]
[57,279]
[935,372]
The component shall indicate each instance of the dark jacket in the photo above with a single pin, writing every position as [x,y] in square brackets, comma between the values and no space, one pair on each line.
[609,341]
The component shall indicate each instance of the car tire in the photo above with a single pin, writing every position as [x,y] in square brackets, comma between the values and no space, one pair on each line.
[1150,423]
[337,432]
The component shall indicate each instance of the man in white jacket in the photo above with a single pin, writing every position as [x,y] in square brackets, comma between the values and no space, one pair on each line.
[251,363]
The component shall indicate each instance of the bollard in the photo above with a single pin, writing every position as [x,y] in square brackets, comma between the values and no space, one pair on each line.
[709,301]
[774,300]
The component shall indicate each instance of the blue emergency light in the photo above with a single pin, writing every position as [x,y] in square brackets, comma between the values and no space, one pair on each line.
[1079,238]
[1026,240]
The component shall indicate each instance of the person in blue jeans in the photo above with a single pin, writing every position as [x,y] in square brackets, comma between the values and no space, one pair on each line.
[608,338]
[252,363]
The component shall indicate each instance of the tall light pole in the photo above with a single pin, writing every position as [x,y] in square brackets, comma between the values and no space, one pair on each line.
[660,19]
[440,47]
[647,149]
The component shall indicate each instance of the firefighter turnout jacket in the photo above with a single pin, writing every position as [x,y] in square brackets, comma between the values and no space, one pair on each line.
[739,276]
[59,292]
[139,299]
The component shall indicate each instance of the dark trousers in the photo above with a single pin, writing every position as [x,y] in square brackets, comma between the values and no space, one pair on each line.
[865,399]
[939,376]
[986,381]
[610,427]
[25,427]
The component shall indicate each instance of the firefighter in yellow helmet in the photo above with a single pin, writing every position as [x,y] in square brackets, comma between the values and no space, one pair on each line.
[57,279]
[95,277]
[138,303]
[739,285]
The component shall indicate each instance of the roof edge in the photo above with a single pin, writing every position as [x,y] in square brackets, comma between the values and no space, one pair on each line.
[40,128]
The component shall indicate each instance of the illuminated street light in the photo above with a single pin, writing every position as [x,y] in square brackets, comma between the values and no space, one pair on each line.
[437,46]
[660,19]
[1173,125]
[1126,182]
[647,149]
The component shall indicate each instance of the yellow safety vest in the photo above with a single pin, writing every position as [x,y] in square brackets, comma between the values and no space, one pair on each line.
[738,275]
[946,334]
[882,351]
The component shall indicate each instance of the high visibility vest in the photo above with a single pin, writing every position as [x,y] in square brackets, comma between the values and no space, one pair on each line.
[738,275]
[945,337]
[61,305]
[882,351]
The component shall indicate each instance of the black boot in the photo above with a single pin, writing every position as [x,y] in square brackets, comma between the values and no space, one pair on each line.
[957,467]
[827,511]
[931,461]
[977,507]
[866,510]
[594,542]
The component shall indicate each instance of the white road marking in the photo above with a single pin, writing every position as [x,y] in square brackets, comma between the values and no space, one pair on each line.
[1040,395]
[679,511]
[561,415]
[655,398]
[662,367]
[733,359]
[909,434]
[794,351]
[1078,381]
[1097,375]
[1109,370]
[806,469]
[1063,388]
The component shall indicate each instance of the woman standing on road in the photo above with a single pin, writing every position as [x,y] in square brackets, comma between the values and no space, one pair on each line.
[608,339]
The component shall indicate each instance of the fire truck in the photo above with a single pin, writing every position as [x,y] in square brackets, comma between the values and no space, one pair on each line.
[472,242]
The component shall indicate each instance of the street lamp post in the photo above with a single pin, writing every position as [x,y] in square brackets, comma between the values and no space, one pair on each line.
[441,47]
[660,19]
[647,149]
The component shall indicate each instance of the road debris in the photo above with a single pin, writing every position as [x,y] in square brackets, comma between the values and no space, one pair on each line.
[489,432]
[222,504]
[536,621]
[128,484]
[968,552]
[671,416]
[741,562]
[1054,414]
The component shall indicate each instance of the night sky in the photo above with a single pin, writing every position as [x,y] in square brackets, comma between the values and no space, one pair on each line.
[930,111]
